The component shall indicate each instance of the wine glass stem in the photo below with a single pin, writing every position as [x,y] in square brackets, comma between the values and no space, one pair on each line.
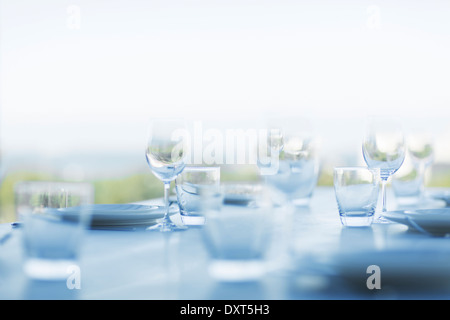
[383,193]
[166,200]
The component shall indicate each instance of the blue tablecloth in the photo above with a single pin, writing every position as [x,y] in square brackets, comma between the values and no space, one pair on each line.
[313,257]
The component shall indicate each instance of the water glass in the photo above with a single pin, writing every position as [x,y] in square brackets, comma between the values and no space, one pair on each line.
[296,179]
[297,170]
[54,217]
[189,185]
[238,232]
[356,190]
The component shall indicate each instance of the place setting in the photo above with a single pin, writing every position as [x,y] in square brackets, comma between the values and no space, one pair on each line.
[248,229]
[392,155]
[224,151]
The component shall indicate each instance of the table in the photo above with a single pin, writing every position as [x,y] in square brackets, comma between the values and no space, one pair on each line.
[313,257]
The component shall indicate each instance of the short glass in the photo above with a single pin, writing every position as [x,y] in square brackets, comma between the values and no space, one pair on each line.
[356,190]
[189,184]
[54,217]
[296,179]
[238,231]
[292,151]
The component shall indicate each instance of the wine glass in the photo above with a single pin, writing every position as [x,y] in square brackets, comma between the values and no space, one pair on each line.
[421,151]
[166,153]
[420,148]
[384,148]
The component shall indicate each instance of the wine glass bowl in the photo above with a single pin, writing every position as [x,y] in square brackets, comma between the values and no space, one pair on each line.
[409,181]
[421,148]
[388,160]
[163,165]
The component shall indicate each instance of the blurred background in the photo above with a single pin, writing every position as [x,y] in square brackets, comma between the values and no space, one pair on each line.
[80,79]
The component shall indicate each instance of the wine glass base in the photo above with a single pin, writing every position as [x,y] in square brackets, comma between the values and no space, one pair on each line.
[382,220]
[166,226]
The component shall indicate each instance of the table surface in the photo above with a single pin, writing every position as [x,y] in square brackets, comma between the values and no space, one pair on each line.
[313,257]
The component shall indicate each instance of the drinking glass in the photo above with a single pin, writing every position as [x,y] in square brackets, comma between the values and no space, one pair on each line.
[166,153]
[189,187]
[420,146]
[421,150]
[296,171]
[384,148]
[356,190]
[409,182]
[269,150]
[238,231]
[54,217]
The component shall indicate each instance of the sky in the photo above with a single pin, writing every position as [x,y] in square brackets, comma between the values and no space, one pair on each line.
[85,76]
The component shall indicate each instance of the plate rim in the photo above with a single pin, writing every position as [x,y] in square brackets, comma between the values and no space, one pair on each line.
[434,226]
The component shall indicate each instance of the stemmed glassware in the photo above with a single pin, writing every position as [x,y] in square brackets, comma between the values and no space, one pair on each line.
[384,148]
[420,148]
[421,152]
[166,153]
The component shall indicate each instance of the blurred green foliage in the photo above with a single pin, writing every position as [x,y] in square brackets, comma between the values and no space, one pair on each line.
[132,188]
[144,186]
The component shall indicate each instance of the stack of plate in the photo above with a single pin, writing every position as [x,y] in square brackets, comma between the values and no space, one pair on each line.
[118,215]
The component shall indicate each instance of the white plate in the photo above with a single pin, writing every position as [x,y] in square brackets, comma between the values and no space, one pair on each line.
[240,194]
[435,221]
[237,199]
[119,214]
